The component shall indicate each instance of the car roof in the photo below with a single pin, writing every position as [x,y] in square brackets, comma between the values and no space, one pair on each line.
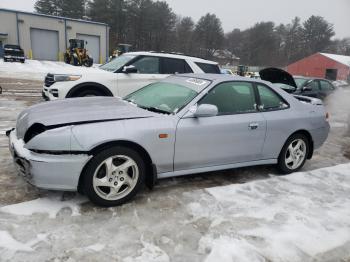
[220,77]
[171,55]
[310,78]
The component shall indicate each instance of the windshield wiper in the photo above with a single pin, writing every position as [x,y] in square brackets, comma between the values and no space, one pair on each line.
[154,109]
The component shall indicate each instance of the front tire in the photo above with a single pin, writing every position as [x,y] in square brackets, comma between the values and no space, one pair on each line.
[294,154]
[114,176]
[89,92]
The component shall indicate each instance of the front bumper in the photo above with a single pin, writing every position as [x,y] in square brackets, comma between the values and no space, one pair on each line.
[47,171]
[14,58]
[47,95]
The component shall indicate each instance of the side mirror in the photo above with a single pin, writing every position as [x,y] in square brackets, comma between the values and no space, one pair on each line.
[129,69]
[205,110]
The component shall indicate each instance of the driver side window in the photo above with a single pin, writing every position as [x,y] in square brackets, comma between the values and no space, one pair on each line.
[147,65]
[232,98]
[313,85]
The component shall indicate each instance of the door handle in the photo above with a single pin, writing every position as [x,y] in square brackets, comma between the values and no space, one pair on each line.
[253,126]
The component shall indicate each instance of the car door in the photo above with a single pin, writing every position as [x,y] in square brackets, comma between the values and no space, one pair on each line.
[235,135]
[279,120]
[311,89]
[148,71]
[326,88]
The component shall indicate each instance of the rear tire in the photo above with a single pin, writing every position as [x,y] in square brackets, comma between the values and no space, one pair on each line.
[66,58]
[114,176]
[294,154]
[88,62]
[74,61]
[5,59]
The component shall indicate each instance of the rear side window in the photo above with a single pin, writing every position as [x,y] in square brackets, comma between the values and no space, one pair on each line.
[209,68]
[269,99]
[175,66]
[325,86]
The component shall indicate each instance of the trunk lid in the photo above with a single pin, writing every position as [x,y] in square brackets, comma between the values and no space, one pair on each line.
[277,76]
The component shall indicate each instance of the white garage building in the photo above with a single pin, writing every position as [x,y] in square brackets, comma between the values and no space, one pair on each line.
[45,37]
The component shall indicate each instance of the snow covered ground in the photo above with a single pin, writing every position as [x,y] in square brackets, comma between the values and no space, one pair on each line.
[301,217]
[247,214]
[36,70]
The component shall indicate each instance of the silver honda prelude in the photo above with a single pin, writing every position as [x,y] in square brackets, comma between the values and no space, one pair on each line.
[108,147]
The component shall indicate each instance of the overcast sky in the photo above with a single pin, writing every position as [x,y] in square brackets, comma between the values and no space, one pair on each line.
[243,14]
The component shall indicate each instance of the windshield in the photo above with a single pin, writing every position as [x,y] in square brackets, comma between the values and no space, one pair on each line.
[162,97]
[117,63]
[300,81]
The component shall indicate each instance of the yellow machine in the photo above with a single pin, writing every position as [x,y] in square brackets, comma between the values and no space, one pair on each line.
[121,49]
[77,54]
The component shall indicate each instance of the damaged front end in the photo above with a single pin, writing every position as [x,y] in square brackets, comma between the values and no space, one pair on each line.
[43,168]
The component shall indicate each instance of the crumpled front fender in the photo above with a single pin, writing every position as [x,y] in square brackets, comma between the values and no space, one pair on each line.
[58,139]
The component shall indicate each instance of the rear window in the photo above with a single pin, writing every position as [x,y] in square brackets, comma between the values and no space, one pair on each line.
[325,86]
[209,68]
[175,66]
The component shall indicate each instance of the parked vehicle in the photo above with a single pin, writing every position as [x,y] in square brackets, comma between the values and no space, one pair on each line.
[340,83]
[76,54]
[123,75]
[226,71]
[13,53]
[298,85]
[109,147]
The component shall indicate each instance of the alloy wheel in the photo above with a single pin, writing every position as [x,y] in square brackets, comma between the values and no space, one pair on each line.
[295,154]
[115,177]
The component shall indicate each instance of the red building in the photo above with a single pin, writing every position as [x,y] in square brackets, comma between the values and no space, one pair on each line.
[322,65]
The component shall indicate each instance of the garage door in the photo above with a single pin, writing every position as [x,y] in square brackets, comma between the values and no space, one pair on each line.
[44,44]
[93,45]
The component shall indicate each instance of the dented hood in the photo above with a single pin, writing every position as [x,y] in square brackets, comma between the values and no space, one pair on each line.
[277,76]
[78,111]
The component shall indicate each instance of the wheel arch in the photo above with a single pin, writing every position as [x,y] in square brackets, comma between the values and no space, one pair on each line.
[92,85]
[151,172]
[310,140]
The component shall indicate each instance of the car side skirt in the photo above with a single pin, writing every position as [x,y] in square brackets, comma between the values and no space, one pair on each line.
[216,168]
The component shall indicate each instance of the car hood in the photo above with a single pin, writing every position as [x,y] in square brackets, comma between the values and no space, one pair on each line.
[84,71]
[76,111]
[276,75]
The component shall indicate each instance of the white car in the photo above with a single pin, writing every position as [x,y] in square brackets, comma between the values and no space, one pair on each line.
[123,75]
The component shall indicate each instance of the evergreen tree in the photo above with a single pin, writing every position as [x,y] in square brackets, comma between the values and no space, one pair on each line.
[317,34]
[73,9]
[209,35]
[184,35]
[48,7]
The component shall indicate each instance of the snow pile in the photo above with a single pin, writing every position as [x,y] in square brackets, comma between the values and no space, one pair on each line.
[149,253]
[48,205]
[37,70]
[10,245]
[290,218]
[228,250]
[95,248]
[8,242]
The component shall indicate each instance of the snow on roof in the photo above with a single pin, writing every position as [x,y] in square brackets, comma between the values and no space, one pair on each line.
[339,58]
